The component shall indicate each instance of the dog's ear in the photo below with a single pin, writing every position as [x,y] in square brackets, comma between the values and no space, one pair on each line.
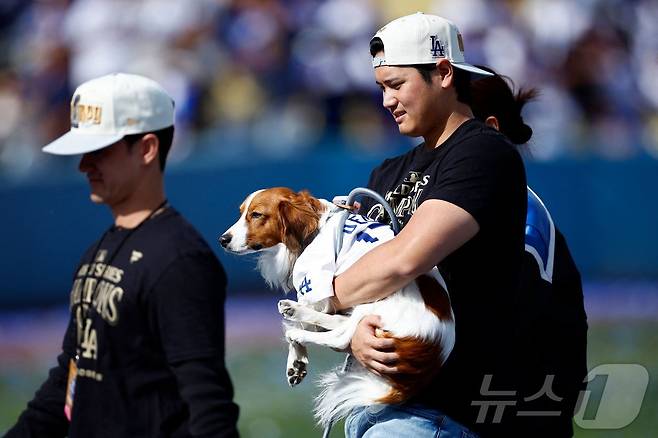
[304,197]
[299,219]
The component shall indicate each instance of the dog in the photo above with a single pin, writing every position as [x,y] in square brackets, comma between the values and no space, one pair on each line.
[294,236]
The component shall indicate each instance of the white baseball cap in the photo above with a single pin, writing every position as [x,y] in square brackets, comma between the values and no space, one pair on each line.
[105,109]
[422,39]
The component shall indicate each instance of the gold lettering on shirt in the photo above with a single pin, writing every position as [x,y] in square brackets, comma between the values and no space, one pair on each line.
[95,287]
[88,289]
[76,291]
[106,301]
[83,270]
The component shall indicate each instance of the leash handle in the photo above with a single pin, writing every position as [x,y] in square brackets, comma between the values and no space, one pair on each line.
[395,225]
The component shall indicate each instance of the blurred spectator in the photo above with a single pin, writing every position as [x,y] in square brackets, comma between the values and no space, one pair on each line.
[276,77]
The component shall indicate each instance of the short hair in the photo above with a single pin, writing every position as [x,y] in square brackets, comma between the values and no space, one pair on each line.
[461,77]
[165,139]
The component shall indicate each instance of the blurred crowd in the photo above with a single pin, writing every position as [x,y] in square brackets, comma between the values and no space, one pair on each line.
[272,78]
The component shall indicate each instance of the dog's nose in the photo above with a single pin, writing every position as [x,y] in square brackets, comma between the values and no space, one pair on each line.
[225,239]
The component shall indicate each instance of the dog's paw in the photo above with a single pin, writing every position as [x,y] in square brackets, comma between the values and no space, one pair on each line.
[294,335]
[296,373]
[288,309]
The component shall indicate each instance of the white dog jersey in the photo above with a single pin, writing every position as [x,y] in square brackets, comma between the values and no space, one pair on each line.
[316,267]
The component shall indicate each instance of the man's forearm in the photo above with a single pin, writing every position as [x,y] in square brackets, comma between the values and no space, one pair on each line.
[205,387]
[435,230]
[374,276]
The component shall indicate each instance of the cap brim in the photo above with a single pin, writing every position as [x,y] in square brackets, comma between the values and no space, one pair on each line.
[475,72]
[73,143]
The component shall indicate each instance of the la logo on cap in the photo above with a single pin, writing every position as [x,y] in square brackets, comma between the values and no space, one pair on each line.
[405,42]
[437,48]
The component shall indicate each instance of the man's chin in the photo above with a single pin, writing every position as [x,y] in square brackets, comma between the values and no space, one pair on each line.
[407,131]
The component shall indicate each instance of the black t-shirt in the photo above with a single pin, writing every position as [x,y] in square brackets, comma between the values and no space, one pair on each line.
[147,322]
[478,170]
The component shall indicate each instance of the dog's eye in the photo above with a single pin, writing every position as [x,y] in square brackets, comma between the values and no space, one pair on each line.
[256,215]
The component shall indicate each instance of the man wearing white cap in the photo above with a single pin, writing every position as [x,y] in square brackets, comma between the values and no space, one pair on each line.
[460,197]
[143,354]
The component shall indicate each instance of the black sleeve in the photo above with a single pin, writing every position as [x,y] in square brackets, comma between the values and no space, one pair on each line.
[44,415]
[203,386]
[483,176]
[186,308]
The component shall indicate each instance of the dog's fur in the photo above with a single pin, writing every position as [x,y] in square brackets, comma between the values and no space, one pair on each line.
[278,224]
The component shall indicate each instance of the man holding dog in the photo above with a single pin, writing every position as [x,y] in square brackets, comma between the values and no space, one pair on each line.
[461,199]
[143,354]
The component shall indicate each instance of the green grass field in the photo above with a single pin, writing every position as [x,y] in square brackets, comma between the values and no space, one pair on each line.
[269,409]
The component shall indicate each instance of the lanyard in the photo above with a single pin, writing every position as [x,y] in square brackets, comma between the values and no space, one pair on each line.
[80,311]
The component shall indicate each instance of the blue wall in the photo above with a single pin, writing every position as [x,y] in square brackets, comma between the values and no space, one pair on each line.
[607,210]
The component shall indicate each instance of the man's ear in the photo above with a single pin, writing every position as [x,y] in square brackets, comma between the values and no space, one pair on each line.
[445,72]
[492,121]
[149,148]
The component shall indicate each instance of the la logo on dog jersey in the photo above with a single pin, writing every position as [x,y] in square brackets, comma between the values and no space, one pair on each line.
[437,48]
[305,286]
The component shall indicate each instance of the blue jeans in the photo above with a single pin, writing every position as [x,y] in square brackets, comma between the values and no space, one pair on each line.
[414,421]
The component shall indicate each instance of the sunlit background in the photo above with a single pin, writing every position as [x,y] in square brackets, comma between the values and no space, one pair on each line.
[281,92]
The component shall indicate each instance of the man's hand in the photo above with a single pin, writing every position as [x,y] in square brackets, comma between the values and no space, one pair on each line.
[375,353]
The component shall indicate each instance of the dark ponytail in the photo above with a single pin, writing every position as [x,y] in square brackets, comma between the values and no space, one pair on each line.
[494,96]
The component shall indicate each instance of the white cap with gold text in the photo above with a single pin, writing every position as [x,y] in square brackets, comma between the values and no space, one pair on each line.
[105,109]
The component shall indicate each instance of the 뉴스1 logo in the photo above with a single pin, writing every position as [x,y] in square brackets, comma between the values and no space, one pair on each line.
[437,48]
[84,114]
[612,400]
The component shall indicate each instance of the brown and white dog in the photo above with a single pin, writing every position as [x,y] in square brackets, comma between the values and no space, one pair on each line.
[279,225]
